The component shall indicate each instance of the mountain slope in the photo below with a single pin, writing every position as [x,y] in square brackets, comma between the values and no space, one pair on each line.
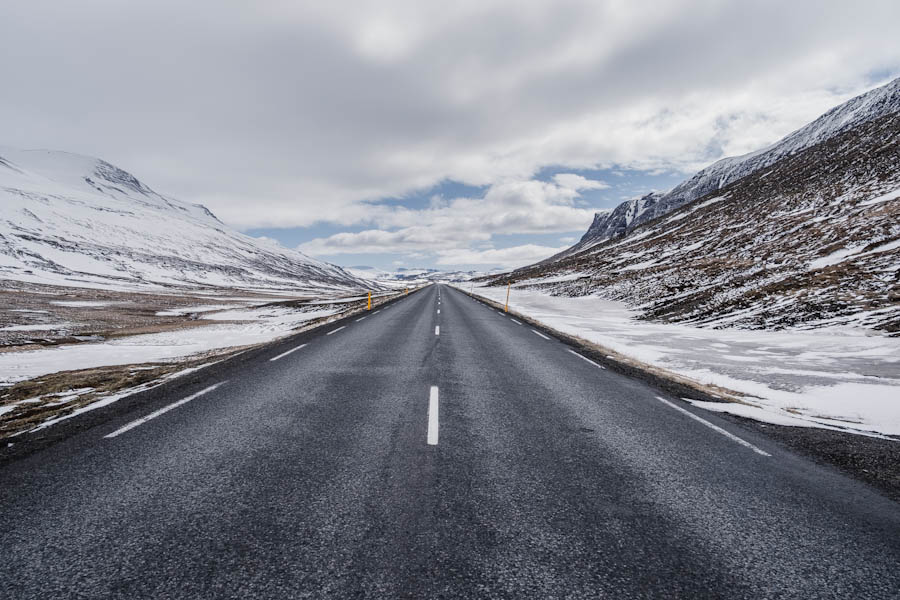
[73,220]
[628,215]
[811,240]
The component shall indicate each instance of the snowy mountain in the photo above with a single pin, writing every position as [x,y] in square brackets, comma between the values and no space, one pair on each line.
[405,276]
[628,215]
[73,220]
[803,234]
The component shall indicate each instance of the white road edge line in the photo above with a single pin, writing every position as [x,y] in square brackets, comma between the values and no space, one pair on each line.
[360,319]
[283,354]
[376,312]
[433,416]
[162,411]
[586,359]
[336,330]
[716,428]
[437,330]
[514,321]
[540,334]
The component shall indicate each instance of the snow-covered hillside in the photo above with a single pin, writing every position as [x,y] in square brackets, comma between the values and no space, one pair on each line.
[811,240]
[77,221]
[872,105]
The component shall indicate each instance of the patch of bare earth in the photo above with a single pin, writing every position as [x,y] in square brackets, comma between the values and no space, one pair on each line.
[33,316]
[28,404]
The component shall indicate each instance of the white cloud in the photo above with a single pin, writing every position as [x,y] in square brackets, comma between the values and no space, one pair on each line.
[286,114]
[520,207]
[510,258]
[577,182]
[268,240]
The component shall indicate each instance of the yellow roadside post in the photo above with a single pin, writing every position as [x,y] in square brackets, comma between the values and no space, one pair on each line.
[369,305]
[508,284]
[407,291]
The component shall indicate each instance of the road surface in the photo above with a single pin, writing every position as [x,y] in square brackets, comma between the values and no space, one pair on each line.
[436,448]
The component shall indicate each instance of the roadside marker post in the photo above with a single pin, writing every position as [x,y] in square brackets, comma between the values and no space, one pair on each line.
[369,304]
[508,284]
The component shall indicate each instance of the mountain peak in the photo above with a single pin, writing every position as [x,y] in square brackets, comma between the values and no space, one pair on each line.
[861,109]
[70,219]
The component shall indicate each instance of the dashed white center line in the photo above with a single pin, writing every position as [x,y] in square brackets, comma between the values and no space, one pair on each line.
[437,330]
[336,330]
[514,321]
[715,428]
[433,416]
[586,359]
[283,354]
[439,311]
[540,334]
[162,411]
[360,319]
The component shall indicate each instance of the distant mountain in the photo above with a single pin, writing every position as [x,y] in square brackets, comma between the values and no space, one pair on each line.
[67,219]
[803,234]
[628,215]
[416,276]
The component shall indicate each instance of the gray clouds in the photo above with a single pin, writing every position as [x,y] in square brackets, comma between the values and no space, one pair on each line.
[303,111]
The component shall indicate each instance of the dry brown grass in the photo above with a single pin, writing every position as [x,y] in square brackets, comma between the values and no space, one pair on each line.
[43,394]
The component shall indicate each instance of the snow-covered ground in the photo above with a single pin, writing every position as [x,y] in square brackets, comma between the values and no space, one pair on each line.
[239,327]
[836,378]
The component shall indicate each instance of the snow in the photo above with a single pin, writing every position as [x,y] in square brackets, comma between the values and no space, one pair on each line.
[837,377]
[80,222]
[560,278]
[255,326]
[639,265]
[885,247]
[831,259]
[880,199]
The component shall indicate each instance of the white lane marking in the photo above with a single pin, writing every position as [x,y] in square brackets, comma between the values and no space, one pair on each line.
[439,311]
[376,312]
[433,417]
[514,321]
[540,334]
[336,330]
[360,319]
[437,330]
[161,411]
[586,359]
[716,428]
[283,354]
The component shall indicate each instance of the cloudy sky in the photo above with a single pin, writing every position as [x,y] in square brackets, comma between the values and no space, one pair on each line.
[450,134]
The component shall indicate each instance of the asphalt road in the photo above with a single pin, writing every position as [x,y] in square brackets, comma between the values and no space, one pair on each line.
[390,459]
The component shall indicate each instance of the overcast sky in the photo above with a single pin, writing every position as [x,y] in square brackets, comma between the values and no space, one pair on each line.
[427,133]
